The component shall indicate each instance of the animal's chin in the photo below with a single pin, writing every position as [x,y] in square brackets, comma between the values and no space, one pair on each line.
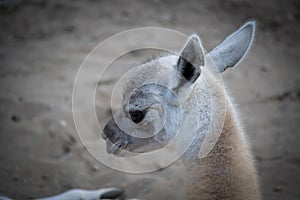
[123,153]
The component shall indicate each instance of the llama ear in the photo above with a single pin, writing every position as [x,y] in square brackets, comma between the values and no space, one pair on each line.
[190,59]
[233,49]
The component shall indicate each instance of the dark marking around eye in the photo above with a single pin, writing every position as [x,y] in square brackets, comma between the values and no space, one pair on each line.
[137,116]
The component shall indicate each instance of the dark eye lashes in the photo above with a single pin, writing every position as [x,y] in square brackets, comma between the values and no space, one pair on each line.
[137,116]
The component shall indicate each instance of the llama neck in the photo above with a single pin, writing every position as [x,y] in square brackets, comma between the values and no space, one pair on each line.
[227,172]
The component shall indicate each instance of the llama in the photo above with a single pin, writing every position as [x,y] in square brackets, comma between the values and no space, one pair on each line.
[227,171]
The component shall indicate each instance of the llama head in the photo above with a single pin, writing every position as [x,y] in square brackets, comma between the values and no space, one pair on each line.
[156,91]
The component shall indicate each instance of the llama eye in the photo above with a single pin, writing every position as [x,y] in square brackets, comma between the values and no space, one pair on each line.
[136,116]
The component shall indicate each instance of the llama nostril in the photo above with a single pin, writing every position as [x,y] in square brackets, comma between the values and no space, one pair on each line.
[106,133]
[109,135]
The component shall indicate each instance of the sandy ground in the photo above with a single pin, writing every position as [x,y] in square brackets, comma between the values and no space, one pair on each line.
[42,44]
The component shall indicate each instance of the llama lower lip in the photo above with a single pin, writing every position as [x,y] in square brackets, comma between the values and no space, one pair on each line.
[113,148]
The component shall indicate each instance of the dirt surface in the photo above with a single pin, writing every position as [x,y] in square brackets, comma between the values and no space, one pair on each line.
[42,44]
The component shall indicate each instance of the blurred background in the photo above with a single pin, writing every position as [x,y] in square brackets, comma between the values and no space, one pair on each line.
[42,44]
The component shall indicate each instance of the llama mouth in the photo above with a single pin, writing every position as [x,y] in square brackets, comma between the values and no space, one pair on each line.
[115,148]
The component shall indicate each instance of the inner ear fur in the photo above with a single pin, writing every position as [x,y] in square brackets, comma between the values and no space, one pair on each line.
[190,59]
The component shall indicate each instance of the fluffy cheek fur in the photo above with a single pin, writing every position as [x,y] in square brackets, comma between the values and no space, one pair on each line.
[157,117]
